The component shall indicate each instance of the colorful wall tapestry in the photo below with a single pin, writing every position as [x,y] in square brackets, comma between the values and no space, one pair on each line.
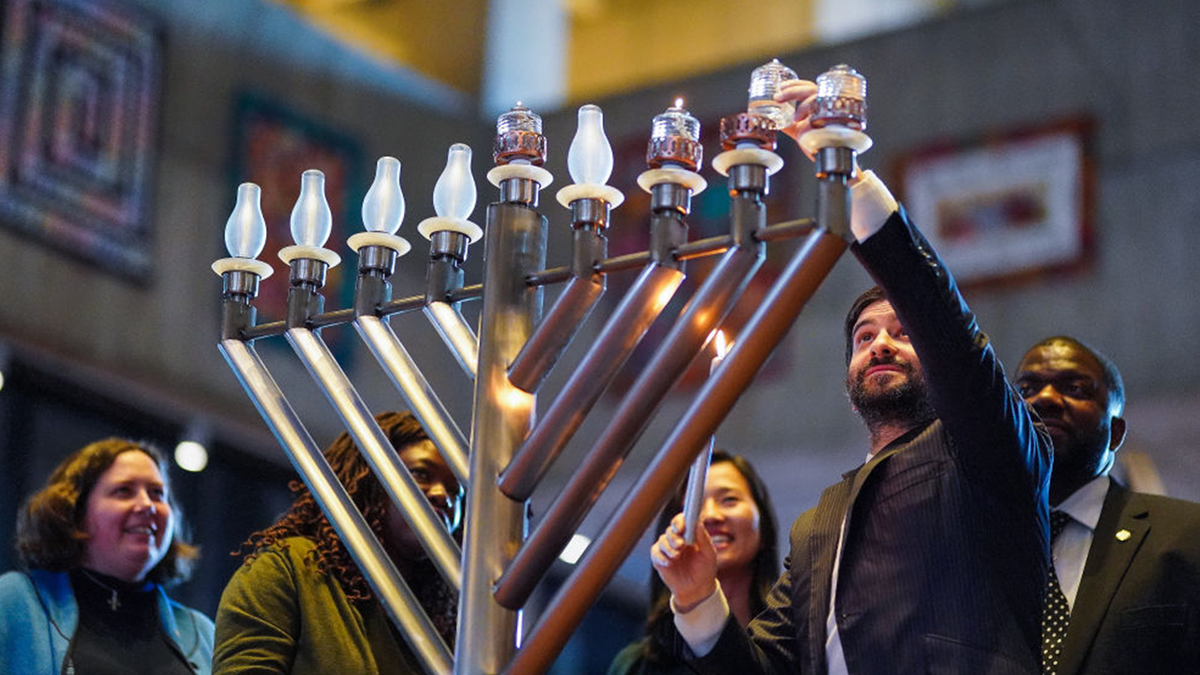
[78,126]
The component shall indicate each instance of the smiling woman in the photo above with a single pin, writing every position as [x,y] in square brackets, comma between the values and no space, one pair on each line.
[128,521]
[738,517]
[97,544]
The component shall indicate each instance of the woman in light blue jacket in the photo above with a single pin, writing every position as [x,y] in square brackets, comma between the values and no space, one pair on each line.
[97,545]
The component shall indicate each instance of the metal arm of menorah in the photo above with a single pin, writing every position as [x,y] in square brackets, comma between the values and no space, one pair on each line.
[497,568]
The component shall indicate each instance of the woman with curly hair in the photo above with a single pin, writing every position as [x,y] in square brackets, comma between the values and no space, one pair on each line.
[96,545]
[738,515]
[299,604]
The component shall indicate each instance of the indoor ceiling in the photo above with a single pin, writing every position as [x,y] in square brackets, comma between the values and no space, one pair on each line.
[610,46]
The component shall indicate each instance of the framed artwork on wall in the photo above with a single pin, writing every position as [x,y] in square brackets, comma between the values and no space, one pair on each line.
[79,115]
[1006,207]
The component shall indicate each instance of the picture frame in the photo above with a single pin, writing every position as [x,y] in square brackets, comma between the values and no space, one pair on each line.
[1006,207]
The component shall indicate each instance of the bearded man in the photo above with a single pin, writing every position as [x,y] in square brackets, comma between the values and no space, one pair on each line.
[931,557]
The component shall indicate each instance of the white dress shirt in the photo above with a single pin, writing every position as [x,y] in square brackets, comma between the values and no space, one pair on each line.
[835,658]
[1070,549]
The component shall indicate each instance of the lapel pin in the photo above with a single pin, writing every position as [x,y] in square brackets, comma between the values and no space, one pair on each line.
[1123,535]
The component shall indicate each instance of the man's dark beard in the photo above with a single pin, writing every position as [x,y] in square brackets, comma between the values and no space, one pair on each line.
[907,404]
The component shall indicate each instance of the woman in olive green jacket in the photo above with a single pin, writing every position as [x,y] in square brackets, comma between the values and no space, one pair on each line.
[299,603]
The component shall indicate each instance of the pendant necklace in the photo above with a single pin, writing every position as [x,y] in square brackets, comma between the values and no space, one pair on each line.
[113,602]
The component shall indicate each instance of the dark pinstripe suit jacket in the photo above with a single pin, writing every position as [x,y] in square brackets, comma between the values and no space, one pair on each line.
[946,544]
[1137,611]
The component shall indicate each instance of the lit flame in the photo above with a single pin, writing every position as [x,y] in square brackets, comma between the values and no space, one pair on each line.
[679,102]
[722,345]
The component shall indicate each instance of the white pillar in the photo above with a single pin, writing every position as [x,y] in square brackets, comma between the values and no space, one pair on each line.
[525,58]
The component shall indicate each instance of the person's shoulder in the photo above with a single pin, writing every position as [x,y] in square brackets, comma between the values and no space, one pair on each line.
[630,660]
[14,578]
[28,583]
[803,523]
[286,549]
[181,609]
[1173,523]
[1180,510]
[185,615]
[28,594]
[290,558]
[293,546]
[15,584]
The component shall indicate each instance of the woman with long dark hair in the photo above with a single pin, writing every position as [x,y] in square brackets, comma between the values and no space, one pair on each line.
[97,545]
[738,516]
[299,603]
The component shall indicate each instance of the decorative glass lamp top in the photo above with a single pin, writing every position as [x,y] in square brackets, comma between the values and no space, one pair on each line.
[246,230]
[382,212]
[764,82]
[454,192]
[519,138]
[312,221]
[675,139]
[590,157]
[453,198]
[590,163]
[383,207]
[756,127]
[841,99]
[519,118]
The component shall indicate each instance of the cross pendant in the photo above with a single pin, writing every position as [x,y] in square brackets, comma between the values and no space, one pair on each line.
[113,602]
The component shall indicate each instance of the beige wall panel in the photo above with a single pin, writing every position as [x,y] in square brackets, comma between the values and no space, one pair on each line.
[440,40]
[619,45]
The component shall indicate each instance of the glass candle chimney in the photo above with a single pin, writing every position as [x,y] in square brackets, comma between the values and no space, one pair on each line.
[519,118]
[519,138]
[841,99]
[764,82]
[675,121]
[675,139]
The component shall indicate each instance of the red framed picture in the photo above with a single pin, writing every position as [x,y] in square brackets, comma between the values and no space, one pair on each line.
[1010,206]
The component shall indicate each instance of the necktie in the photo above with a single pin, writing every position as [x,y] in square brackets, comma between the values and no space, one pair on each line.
[1056,613]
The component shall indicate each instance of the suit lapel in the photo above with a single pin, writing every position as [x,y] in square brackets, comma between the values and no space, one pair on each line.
[831,514]
[1123,525]
[921,437]
[822,547]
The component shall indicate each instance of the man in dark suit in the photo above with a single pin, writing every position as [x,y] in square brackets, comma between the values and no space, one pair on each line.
[930,558]
[1128,564]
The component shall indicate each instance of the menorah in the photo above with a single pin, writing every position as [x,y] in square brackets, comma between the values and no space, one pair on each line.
[508,454]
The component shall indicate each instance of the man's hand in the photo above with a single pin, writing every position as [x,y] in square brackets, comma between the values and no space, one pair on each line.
[804,94]
[689,571]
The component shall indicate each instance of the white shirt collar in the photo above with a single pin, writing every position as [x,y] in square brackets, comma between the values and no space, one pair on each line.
[1084,504]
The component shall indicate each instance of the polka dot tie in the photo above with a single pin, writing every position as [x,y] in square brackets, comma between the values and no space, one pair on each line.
[1056,614]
